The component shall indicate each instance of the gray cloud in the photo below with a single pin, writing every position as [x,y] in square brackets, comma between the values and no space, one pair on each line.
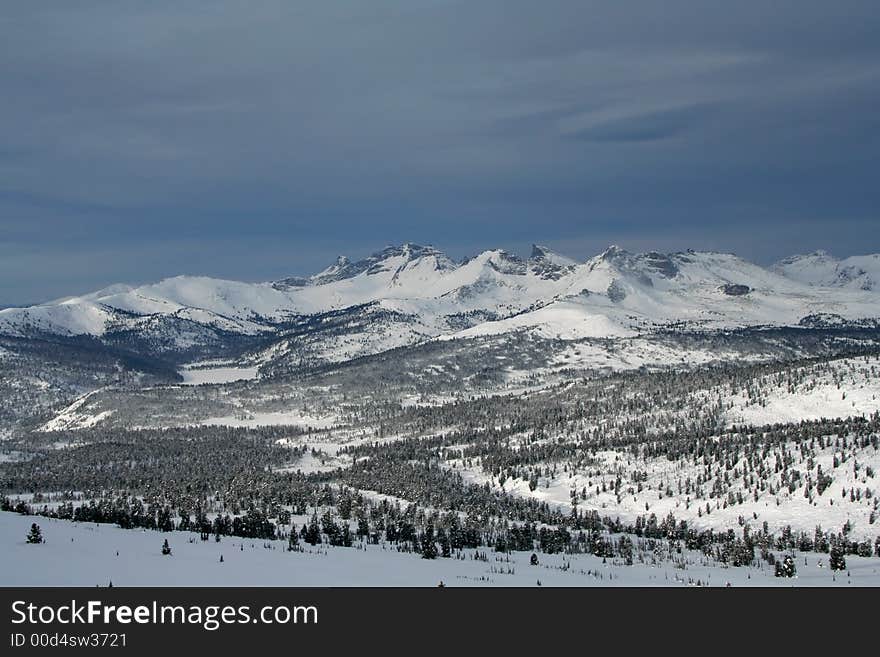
[131,127]
[649,126]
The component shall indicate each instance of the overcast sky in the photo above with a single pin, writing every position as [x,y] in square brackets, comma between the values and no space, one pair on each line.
[258,140]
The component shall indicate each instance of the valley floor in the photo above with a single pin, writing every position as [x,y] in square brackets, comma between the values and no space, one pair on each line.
[85,554]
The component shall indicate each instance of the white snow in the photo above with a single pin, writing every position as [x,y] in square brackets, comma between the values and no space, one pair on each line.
[261,419]
[824,401]
[85,554]
[566,320]
[198,373]
[822,269]
[831,510]
[73,416]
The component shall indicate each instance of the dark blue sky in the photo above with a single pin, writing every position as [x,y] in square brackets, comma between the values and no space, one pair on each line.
[259,140]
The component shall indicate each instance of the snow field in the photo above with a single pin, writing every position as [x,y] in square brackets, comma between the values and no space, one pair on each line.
[83,554]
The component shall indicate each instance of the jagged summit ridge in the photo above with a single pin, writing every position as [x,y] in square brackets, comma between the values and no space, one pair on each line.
[410,292]
[391,257]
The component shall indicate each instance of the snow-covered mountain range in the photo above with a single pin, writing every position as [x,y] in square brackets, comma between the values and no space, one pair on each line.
[409,293]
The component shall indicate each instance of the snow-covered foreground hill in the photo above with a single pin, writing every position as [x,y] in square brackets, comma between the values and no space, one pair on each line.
[83,554]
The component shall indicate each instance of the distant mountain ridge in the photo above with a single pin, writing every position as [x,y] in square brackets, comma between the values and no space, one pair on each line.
[822,269]
[408,293]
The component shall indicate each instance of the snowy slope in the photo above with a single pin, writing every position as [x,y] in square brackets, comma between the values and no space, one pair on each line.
[84,554]
[226,305]
[571,319]
[822,269]
[842,388]
[713,289]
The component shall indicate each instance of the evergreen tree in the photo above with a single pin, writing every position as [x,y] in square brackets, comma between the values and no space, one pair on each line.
[625,547]
[786,567]
[429,548]
[445,551]
[35,535]
[313,533]
[363,528]
[293,540]
[533,560]
[533,482]
[166,549]
[820,543]
[164,522]
[836,559]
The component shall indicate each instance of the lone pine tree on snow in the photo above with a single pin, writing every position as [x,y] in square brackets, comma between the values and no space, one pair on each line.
[166,549]
[35,535]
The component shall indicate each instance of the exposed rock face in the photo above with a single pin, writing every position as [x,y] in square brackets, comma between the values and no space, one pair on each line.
[508,263]
[616,291]
[661,264]
[642,266]
[735,290]
[548,265]
[822,320]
